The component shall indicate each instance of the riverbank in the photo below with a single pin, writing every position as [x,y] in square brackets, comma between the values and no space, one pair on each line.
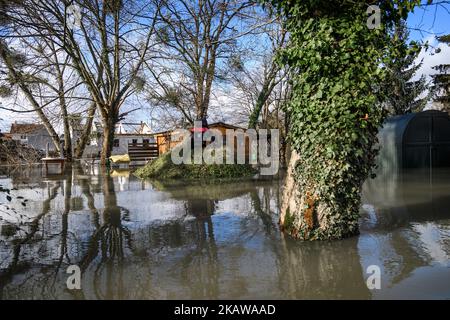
[163,168]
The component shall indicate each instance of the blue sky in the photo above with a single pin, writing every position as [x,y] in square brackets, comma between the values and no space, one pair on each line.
[425,23]
[430,20]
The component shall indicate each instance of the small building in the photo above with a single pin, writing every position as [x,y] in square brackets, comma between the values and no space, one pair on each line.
[32,135]
[127,136]
[167,140]
[415,140]
[131,134]
[223,127]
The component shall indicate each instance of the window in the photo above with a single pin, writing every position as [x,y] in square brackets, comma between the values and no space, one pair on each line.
[134,142]
[116,143]
[146,142]
[23,137]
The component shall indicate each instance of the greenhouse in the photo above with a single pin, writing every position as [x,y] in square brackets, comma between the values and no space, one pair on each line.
[415,140]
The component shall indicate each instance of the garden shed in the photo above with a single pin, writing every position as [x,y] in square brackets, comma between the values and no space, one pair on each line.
[415,140]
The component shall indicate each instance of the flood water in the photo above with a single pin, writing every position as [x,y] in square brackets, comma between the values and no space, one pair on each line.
[136,239]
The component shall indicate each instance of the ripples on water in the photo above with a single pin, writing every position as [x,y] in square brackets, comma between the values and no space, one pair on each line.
[138,239]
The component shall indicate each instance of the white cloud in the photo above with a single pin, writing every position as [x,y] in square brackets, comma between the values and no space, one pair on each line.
[431,59]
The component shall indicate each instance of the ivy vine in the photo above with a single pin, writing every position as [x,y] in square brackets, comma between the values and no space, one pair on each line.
[335,111]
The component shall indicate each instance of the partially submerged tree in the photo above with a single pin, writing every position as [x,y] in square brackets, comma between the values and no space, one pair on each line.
[403,94]
[441,81]
[107,42]
[335,110]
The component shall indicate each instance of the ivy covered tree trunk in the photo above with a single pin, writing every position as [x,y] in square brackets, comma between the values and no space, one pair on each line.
[306,215]
[335,110]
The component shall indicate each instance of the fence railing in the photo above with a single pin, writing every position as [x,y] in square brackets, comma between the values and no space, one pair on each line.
[143,151]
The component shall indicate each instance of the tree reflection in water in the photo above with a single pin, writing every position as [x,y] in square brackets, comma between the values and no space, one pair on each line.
[107,245]
[135,239]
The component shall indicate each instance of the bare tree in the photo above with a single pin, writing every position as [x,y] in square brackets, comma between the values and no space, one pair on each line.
[199,38]
[45,77]
[257,83]
[17,76]
[107,42]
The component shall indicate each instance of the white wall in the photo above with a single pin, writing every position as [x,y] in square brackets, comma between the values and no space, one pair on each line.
[124,140]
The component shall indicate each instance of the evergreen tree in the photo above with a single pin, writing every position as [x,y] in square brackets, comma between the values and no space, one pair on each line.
[441,81]
[403,95]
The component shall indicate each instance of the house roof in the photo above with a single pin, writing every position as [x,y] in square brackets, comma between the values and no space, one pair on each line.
[24,128]
[5,136]
[212,125]
[132,128]
[224,125]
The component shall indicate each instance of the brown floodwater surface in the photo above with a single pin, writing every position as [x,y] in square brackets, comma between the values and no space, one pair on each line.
[136,239]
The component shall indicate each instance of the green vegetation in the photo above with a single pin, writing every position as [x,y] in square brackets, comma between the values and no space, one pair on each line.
[335,110]
[402,92]
[164,168]
[441,80]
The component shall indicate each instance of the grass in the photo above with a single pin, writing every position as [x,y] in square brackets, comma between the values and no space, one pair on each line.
[164,168]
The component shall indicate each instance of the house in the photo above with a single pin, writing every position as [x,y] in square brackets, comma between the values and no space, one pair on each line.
[167,140]
[134,139]
[32,135]
[131,134]
[138,141]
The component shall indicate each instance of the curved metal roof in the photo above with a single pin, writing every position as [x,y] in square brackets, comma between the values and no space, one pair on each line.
[392,138]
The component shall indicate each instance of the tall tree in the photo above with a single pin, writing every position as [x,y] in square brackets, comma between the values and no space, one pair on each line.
[335,109]
[273,72]
[197,37]
[43,74]
[16,75]
[107,42]
[441,81]
[403,94]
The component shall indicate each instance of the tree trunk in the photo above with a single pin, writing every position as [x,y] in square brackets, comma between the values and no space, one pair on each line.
[67,150]
[263,95]
[85,136]
[304,216]
[108,140]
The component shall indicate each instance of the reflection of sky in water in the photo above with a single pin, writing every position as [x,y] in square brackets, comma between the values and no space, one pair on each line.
[148,240]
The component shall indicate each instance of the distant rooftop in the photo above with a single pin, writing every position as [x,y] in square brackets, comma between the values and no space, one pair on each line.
[132,128]
[24,128]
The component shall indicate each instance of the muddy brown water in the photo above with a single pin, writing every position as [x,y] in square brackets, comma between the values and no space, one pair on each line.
[136,239]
